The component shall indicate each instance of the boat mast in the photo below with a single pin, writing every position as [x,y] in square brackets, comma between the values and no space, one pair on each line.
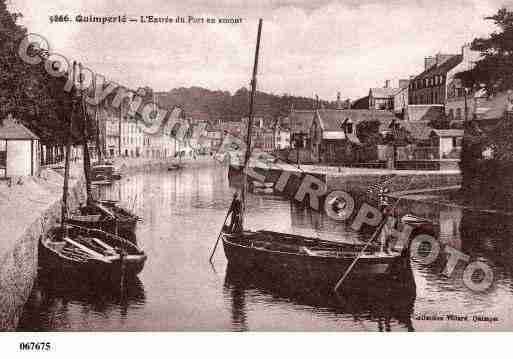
[250,122]
[85,149]
[64,208]
[97,121]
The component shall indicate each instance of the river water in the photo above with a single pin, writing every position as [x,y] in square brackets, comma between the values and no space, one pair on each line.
[179,289]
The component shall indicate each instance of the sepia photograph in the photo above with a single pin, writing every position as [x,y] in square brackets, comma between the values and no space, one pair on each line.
[268,167]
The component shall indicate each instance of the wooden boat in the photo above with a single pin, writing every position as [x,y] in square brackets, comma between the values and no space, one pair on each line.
[311,261]
[81,250]
[302,260]
[107,216]
[104,172]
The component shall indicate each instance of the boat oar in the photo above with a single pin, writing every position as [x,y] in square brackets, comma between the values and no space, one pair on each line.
[376,232]
[218,237]
[348,270]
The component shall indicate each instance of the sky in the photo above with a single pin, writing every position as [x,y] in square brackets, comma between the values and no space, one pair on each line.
[308,47]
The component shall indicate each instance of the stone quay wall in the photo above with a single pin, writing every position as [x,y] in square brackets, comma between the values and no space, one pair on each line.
[29,206]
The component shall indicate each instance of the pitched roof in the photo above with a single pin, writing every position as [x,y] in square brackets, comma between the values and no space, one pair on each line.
[448,133]
[301,120]
[11,129]
[332,120]
[444,67]
[383,92]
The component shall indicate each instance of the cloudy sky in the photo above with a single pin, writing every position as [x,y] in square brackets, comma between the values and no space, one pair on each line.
[308,47]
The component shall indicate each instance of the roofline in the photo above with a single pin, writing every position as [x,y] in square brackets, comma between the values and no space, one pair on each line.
[425,72]
[19,138]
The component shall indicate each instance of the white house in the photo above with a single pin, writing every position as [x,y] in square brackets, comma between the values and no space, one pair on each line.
[448,142]
[19,149]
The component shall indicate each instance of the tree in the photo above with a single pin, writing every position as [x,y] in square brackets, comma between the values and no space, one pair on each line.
[494,69]
[369,136]
[27,91]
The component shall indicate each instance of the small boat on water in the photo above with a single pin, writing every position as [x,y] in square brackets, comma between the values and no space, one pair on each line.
[299,259]
[311,261]
[104,173]
[88,249]
[107,216]
[80,250]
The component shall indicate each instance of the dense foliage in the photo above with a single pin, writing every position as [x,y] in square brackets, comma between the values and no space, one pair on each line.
[214,105]
[494,70]
[28,92]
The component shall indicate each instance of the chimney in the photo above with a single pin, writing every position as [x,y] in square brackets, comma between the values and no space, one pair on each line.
[429,62]
[339,104]
[387,84]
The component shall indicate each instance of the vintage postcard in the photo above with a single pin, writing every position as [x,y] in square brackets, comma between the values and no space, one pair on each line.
[311,166]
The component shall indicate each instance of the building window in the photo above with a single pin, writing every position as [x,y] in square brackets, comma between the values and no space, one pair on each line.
[458,114]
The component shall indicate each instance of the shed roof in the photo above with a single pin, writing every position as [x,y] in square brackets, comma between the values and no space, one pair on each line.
[11,129]
[448,133]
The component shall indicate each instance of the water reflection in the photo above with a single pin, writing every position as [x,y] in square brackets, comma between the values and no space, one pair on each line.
[183,212]
[386,309]
[63,300]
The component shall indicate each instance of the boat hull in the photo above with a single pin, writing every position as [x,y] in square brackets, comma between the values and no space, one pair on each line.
[107,267]
[50,261]
[123,224]
[125,228]
[314,271]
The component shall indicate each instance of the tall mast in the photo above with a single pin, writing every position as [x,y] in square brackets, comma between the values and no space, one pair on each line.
[64,209]
[85,149]
[97,121]
[119,128]
[250,121]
